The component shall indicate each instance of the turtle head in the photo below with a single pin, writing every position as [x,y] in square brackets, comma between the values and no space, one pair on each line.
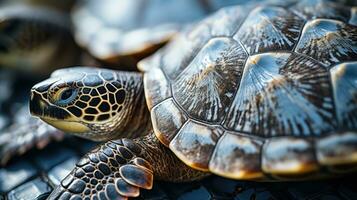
[89,102]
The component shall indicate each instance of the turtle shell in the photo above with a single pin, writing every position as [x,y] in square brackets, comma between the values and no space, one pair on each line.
[115,31]
[255,91]
[35,39]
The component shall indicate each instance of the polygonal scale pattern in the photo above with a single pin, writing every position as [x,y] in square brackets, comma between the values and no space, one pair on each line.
[179,53]
[282,94]
[263,72]
[313,9]
[241,152]
[269,29]
[109,171]
[101,98]
[167,119]
[207,85]
[100,102]
[328,41]
[225,22]
[93,103]
[195,142]
[156,86]
[344,82]
[286,155]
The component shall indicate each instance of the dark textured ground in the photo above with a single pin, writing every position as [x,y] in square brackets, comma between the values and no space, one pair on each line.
[37,172]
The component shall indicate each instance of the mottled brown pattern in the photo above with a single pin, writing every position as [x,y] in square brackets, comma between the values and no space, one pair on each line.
[328,41]
[166,165]
[344,83]
[178,54]
[194,144]
[236,156]
[274,112]
[288,155]
[283,94]
[208,84]
[167,119]
[337,149]
[280,93]
[269,29]
[225,22]
[312,9]
[157,88]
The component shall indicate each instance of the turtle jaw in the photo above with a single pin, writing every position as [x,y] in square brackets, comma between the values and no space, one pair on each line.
[66,126]
[54,115]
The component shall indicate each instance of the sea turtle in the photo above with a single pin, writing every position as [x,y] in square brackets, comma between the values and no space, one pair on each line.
[35,39]
[105,27]
[252,92]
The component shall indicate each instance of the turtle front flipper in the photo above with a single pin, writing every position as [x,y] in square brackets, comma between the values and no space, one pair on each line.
[25,134]
[114,170]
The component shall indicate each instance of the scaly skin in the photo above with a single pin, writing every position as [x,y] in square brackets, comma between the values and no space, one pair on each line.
[118,168]
[166,164]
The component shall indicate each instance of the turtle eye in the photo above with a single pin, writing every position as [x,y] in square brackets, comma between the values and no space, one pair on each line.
[66,96]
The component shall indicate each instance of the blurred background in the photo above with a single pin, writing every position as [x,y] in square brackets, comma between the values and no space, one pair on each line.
[39,36]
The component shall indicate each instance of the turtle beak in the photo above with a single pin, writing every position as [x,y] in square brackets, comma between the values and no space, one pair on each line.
[41,108]
[37,105]
[53,115]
